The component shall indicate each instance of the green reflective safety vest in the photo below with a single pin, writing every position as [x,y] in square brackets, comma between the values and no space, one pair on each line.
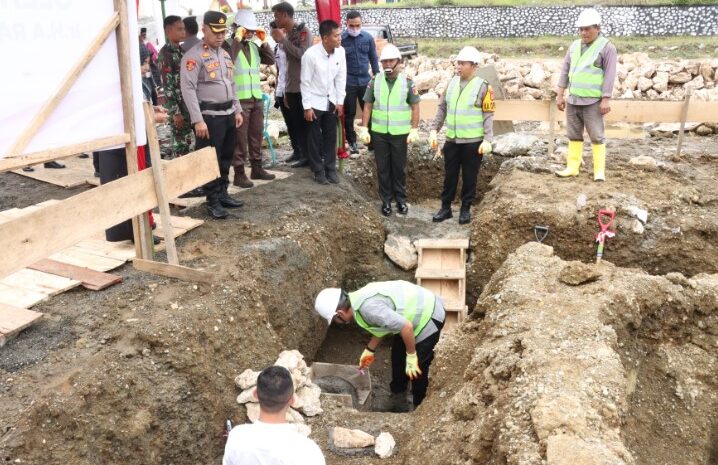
[246,74]
[464,120]
[390,113]
[585,79]
[413,302]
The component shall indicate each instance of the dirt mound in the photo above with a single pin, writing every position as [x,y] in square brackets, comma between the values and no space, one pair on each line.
[564,374]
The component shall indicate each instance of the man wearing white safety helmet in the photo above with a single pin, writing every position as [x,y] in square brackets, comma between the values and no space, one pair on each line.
[391,103]
[468,108]
[589,71]
[414,315]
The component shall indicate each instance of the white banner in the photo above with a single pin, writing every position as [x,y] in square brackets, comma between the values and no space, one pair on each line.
[41,45]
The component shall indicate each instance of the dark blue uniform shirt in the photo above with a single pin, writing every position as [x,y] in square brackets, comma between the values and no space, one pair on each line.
[360,52]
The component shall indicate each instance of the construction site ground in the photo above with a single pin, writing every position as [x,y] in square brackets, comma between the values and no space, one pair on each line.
[560,361]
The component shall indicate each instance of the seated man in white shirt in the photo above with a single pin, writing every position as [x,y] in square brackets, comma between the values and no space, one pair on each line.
[323,79]
[271,440]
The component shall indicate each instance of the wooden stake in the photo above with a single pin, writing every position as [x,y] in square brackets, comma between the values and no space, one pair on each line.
[173,271]
[162,199]
[9,164]
[684,115]
[140,225]
[552,127]
[50,106]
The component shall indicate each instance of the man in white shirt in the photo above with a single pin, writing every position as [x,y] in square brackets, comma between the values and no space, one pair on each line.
[324,75]
[271,440]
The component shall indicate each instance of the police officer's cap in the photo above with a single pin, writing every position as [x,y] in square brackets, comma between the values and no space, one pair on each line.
[216,20]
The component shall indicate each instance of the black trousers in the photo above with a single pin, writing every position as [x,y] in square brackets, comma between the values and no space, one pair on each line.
[113,165]
[390,155]
[464,158]
[291,128]
[425,353]
[222,136]
[296,125]
[354,93]
[322,143]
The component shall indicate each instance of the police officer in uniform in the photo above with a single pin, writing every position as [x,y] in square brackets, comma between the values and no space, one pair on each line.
[468,108]
[207,84]
[391,103]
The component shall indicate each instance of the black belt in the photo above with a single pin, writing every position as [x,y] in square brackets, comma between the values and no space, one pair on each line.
[216,106]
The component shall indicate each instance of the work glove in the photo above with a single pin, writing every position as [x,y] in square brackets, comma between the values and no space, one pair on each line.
[433,140]
[413,136]
[366,359]
[261,34]
[412,366]
[485,148]
[364,135]
[239,33]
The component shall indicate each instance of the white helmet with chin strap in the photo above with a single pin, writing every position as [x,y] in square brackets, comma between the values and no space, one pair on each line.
[390,52]
[589,17]
[326,303]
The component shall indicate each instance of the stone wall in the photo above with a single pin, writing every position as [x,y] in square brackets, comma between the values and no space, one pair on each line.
[457,22]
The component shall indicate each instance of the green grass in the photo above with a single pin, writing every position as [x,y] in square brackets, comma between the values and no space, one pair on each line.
[548,46]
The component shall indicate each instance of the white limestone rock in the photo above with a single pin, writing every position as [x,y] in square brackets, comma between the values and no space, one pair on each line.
[384,445]
[427,80]
[401,251]
[307,400]
[536,76]
[246,396]
[513,144]
[247,379]
[351,438]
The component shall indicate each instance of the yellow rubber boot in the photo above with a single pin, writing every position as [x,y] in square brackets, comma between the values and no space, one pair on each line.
[573,159]
[599,162]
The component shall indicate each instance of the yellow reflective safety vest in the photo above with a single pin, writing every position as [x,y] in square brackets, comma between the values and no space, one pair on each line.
[413,302]
[585,79]
[390,113]
[464,120]
[246,74]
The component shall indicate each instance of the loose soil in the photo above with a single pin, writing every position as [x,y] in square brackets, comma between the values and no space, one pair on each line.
[143,372]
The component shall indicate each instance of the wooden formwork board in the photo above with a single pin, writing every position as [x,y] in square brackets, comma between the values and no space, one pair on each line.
[77,172]
[13,320]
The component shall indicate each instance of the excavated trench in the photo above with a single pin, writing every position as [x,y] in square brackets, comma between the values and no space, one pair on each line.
[143,372]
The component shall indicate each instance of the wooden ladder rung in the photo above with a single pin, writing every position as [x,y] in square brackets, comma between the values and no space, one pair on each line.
[442,244]
[435,273]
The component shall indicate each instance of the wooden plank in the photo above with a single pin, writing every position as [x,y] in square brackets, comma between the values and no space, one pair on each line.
[233,190]
[552,127]
[75,173]
[447,289]
[436,273]
[123,250]
[90,279]
[173,271]
[180,225]
[629,111]
[49,107]
[19,297]
[14,319]
[684,115]
[78,257]
[24,241]
[38,281]
[442,243]
[153,145]
[8,164]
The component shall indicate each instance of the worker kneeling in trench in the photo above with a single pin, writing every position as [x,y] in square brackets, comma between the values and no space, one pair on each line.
[414,315]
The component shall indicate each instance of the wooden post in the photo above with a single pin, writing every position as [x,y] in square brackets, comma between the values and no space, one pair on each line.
[551,127]
[140,224]
[162,200]
[684,115]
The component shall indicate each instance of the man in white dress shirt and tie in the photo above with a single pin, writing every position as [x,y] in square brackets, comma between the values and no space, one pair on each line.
[323,80]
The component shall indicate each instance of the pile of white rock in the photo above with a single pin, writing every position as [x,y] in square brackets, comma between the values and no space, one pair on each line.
[307,394]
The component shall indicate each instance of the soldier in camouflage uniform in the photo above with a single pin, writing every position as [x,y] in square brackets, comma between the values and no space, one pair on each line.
[170,60]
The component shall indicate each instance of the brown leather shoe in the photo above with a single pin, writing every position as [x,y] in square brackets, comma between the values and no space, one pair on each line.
[241,180]
[258,172]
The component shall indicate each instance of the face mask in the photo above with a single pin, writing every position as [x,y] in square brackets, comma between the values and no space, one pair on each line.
[388,70]
[148,74]
[354,32]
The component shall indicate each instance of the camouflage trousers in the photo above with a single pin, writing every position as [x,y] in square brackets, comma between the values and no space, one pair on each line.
[182,137]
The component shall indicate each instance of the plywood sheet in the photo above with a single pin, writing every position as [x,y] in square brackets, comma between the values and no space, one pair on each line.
[180,225]
[90,279]
[38,281]
[14,319]
[78,257]
[19,297]
[76,173]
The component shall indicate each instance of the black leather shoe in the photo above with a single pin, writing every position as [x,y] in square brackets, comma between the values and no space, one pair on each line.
[353,147]
[229,202]
[292,158]
[333,177]
[53,165]
[299,164]
[216,210]
[402,208]
[441,215]
[464,216]
[386,209]
[83,155]
[156,240]
[320,179]
[28,169]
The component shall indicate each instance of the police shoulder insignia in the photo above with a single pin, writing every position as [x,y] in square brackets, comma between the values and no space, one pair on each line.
[190,65]
[488,104]
[205,54]
[213,75]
